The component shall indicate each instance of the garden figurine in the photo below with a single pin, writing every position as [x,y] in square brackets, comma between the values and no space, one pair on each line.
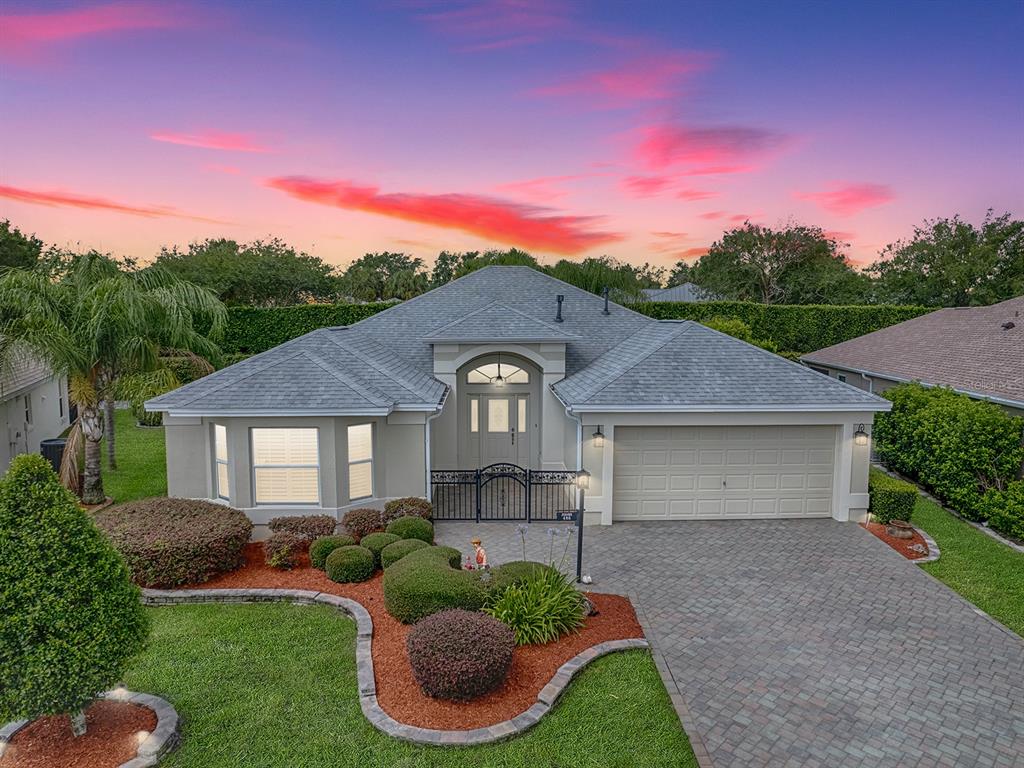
[481,553]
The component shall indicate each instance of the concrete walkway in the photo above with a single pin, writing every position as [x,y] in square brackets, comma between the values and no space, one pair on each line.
[803,642]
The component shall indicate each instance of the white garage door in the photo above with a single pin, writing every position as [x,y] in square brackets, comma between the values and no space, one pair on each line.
[700,473]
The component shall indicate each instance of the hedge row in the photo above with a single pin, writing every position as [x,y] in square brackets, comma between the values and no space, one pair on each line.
[792,328]
[891,498]
[957,447]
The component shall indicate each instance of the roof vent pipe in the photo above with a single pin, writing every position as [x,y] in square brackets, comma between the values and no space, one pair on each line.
[558,317]
[604,292]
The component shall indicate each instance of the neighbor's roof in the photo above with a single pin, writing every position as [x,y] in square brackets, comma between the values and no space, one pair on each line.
[968,349]
[21,373]
[674,365]
[682,292]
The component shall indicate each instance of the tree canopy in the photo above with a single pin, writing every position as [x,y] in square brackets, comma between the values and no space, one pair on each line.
[264,273]
[384,275]
[951,263]
[17,250]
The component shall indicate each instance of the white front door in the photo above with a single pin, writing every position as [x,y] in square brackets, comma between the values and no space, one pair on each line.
[504,429]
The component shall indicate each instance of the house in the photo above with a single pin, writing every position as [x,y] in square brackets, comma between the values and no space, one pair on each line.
[684,292]
[508,366]
[978,351]
[34,406]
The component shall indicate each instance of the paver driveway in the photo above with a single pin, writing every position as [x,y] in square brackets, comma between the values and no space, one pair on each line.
[805,642]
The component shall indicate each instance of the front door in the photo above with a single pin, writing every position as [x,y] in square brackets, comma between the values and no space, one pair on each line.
[504,429]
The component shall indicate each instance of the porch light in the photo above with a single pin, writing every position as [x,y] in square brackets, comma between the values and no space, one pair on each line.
[583,479]
[860,437]
[499,380]
[598,438]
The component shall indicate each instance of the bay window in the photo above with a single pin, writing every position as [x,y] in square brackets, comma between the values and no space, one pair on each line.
[360,461]
[286,465]
[221,478]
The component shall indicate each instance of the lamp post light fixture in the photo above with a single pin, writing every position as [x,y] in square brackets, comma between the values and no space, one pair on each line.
[860,437]
[583,480]
[583,483]
[598,438]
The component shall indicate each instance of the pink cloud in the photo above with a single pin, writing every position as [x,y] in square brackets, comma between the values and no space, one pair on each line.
[712,215]
[61,199]
[845,199]
[23,33]
[645,186]
[646,79]
[495,24]
[543,189]
[693,253]
[668,242]
[706,150]
[514,223]
[230,142]
[695,194]
[669,235]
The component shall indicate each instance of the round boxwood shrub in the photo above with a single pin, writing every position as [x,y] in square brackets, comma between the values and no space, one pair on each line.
[376,542]
[392,553]
[322,547]
[412,528]
[362,522]
[430,580]
[309,527]
[407,506]
[168,542]
[460,655]
[348,564]
[283,548]
[71,617]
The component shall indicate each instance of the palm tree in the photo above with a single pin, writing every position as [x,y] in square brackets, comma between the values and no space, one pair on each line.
[97,324]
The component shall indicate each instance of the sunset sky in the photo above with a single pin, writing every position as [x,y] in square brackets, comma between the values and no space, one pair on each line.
[640,130]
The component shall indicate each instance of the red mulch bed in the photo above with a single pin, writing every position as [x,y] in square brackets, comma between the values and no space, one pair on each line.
[903,546]
[397,690]
[111,738]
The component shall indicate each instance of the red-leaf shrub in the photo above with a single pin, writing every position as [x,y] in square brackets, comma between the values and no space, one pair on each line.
[283,548]
[167,542]
[407,506]
[460,655]
[362,521]
[309,527]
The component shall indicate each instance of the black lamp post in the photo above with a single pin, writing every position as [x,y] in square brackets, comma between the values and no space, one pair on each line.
[583,483]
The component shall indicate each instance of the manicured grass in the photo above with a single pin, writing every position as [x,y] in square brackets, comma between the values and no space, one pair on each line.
[986,572]
[268,686]
[141,468]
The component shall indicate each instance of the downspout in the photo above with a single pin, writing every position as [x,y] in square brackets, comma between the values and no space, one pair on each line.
[426,442]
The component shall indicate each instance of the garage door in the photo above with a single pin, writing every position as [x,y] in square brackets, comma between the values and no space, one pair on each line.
[700,473]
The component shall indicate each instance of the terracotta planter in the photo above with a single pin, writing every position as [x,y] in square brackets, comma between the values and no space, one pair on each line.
[900,529]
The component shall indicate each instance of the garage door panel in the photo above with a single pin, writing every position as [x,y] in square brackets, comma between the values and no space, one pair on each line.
[723,472]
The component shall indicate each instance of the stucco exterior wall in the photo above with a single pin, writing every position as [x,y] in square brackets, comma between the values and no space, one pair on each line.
[49,419]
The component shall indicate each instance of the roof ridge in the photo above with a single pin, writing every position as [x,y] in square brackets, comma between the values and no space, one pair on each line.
[230,381]
[493,305]
[373,394]
[404,382]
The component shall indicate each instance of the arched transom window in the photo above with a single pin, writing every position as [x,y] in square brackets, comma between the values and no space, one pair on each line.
[498,373]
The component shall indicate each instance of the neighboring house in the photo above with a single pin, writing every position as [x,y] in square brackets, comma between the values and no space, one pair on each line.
[683,292]
[975,350]
[508,365]
[34,406]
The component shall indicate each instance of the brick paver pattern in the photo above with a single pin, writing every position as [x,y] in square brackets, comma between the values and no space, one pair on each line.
[804,642]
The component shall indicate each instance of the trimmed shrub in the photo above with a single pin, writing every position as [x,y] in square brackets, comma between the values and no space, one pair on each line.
[430,580]
[283,548]
[515,572]
[361,522]
[890,497]
[412,528]
[322,547]
[168,542]
[408,506]
[392,553]
[71,617]
[1005,510]
[956,447]
[460,655]
[540,609]
[349,564]
[257,329]
[308,527]
[376,542]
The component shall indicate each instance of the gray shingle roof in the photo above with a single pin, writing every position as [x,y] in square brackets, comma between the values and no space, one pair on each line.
[965,348]
[682,292]
[385,362]
[21,372]
[683,365]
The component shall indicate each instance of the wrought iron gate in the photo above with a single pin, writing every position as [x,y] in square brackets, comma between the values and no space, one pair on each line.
[502,492]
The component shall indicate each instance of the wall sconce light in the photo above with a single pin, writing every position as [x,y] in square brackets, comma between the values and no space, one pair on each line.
[599,438]
[860,437]
[583,479]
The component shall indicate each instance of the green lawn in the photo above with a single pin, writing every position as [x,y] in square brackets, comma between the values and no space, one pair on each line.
[269,685]
[986,572]
[141,470]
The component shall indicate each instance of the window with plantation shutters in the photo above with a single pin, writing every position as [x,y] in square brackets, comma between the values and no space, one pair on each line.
[360,461]
[220,457]
[286,465]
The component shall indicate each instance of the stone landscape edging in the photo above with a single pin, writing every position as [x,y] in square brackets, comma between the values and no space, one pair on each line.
[933,549]
[161,741]
[372,711]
